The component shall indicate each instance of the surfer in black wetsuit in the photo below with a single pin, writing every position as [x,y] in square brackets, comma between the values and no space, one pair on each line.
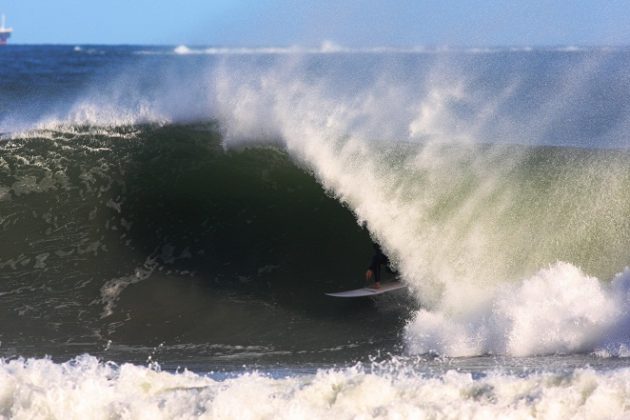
[374,270]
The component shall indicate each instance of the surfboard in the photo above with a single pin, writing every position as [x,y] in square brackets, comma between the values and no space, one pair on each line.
[369,291]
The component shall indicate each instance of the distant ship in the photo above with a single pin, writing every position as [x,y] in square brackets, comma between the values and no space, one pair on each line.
[5,33]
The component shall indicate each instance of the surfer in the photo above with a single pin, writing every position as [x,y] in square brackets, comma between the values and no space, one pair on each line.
[374,270]
[373,273]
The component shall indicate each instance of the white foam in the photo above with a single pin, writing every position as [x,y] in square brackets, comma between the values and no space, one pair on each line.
[112,289]
[5,193]
[558,310]
[329,46]
[182,49]
[326,47]
[86,388]
[105,112]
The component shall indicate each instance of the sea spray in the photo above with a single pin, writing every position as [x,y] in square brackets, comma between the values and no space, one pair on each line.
[460,218]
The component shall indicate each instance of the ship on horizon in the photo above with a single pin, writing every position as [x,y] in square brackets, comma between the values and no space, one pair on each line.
[5,33]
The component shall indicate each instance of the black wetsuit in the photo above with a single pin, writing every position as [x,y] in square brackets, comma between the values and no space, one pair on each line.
[378,260]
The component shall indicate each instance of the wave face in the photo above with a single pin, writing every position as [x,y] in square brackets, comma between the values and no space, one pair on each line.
[157,186]
[110,236]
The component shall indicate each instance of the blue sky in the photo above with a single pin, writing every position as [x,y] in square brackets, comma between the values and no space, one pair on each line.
[351,23]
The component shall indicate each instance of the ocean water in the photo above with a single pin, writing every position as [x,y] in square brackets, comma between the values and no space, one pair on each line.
[171,217]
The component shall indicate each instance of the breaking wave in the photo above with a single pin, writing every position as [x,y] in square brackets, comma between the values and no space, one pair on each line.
[497,187]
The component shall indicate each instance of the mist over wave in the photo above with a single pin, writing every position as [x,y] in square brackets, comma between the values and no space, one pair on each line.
[477,173]
[462,213]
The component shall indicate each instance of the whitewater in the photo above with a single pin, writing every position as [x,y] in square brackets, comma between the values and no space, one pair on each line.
[171,219]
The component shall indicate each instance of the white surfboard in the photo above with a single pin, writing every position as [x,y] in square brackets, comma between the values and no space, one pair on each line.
[369,291]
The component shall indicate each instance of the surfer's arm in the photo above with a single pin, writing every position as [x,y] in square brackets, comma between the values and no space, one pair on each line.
[369,274]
